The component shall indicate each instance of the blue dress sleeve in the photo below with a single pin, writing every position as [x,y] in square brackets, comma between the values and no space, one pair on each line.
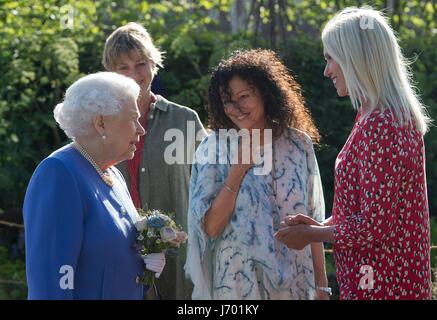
[53,219]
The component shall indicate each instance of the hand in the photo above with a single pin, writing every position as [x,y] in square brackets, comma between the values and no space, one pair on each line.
[246,150]
[298,219]
[155,262]
[294,236]
[321,295]
[328,222]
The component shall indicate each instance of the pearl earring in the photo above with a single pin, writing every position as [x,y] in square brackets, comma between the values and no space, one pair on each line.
[104,137]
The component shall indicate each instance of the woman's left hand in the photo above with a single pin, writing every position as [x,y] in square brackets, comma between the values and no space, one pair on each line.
[321,295]
[155,262]
[298,219]
[295,236]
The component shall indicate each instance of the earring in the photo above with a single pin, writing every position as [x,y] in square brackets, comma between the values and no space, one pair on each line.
[104,137]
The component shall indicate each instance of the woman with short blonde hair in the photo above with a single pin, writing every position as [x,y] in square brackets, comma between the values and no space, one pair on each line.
[131,36]
[154,182]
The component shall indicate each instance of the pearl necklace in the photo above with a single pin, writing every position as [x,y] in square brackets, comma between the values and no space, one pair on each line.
[106,177]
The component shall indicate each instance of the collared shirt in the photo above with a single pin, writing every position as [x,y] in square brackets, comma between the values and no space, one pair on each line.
[133,165]
[163,184]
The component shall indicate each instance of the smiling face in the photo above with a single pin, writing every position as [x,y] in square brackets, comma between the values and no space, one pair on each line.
[245,108]
[134,66]
[123,131]
[334,72]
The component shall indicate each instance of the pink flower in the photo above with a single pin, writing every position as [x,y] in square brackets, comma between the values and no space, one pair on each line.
[182,236]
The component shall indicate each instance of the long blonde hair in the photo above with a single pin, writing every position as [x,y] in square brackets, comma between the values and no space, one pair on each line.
[361,41]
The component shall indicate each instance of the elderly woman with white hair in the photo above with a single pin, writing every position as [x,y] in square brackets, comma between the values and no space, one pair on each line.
[78,214]
[380,216]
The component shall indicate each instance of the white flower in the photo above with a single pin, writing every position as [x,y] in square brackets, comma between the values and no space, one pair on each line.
[150,233]
[168,234]
[141,224]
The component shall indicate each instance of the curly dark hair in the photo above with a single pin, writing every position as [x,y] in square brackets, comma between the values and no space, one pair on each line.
[281,94]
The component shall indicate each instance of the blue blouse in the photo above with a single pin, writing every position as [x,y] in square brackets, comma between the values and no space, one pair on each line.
[246,261]
[79,232]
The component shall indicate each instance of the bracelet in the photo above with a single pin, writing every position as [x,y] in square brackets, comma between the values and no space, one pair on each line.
[229,188]
[328,290]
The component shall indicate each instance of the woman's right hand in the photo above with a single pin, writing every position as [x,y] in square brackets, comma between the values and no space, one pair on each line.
[222,208]
[328,222]
[243,166]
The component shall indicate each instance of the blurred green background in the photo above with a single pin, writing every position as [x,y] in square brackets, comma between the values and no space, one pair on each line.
[46,45]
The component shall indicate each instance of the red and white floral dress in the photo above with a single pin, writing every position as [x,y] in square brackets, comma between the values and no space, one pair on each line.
[382,232]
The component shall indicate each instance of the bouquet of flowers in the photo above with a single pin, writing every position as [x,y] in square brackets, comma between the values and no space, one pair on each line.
[157,232]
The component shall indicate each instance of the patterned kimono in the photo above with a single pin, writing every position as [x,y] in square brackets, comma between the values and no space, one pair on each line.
[245,261]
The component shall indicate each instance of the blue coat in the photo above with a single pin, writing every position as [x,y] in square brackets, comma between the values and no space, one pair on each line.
[79,232]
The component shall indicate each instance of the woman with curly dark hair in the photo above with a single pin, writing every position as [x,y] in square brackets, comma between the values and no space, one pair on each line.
[234,211]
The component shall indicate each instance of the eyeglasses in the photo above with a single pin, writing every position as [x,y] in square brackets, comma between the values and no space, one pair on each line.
[242,101]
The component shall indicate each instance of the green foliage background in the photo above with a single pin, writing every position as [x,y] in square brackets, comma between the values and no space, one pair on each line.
[40,56]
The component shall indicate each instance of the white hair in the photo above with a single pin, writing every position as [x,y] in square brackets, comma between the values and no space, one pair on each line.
[361,41]
[101,93]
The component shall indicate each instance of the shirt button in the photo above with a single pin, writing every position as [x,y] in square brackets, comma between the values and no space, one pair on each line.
[143,169]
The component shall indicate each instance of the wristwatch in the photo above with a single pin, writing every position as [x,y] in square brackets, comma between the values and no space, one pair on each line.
[328,290]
